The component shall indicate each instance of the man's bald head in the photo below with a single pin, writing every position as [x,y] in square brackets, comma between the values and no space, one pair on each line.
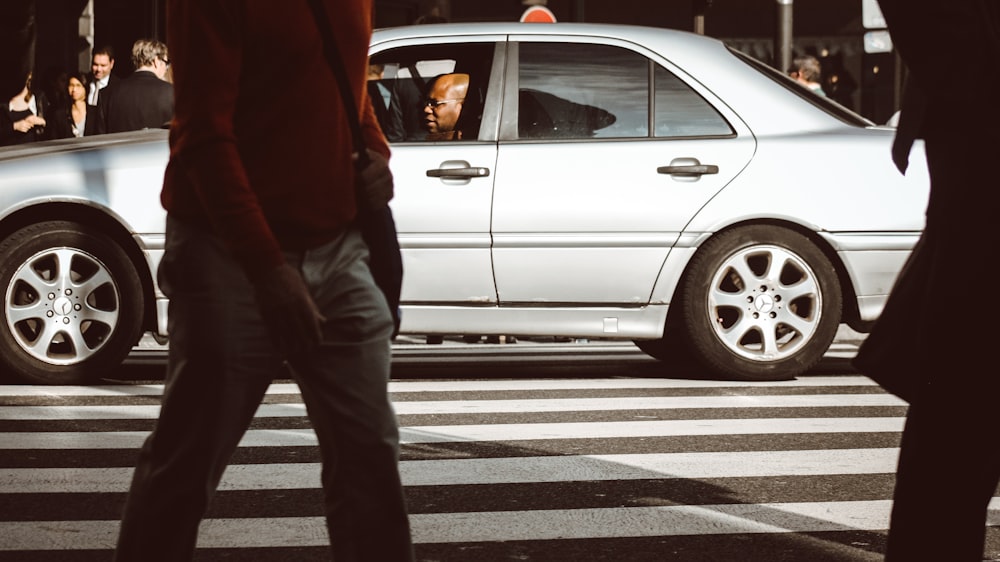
[445,98]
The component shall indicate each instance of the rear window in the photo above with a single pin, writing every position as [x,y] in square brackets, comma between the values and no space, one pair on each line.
[824,103]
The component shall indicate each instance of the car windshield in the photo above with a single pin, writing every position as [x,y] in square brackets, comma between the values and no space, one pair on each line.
[826,104]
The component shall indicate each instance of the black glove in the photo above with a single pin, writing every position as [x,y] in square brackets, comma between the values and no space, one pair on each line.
[288,310]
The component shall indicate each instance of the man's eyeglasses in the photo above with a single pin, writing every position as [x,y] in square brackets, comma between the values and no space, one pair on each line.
[434,104]
[165,61]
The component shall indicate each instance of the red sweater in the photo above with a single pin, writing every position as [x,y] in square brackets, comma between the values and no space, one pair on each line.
[260,146]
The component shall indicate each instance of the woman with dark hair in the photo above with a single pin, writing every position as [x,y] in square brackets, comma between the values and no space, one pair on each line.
[22,119]
[73,117]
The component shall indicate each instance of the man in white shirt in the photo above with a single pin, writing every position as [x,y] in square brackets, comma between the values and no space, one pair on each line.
[100,67]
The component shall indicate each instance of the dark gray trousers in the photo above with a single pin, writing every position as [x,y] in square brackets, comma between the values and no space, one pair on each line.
[221,362]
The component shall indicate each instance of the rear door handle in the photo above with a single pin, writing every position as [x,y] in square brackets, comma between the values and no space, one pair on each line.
[689,170]
[458,173]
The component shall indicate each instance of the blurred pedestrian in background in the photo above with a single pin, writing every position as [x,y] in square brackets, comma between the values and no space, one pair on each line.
[73,116]
[926,347]
[22,119]
[144,100]
[101,65]
[808,72]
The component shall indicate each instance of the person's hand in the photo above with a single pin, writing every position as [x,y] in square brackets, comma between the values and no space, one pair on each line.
[375,182]
[288,310]
[29,122]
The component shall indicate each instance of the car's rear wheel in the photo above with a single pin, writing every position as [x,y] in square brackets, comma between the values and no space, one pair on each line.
[72,304]
[758,303]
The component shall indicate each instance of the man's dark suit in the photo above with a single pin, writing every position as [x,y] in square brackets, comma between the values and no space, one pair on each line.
[937,331]
[141,101]
[100,92]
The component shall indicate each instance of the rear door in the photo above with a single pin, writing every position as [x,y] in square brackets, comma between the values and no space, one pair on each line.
[605,154]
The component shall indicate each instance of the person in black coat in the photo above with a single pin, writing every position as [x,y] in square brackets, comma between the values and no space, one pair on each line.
[933,344]
[144,100]
[73,116]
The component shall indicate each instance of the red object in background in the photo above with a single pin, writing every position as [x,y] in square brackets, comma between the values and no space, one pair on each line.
[538,14]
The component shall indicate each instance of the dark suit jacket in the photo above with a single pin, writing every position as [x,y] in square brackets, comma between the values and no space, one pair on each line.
[91,80]
[141,101]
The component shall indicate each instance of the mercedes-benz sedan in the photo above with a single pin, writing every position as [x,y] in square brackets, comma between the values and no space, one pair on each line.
[605,182]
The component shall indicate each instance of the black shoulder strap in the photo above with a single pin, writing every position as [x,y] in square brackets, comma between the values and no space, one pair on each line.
[336,65]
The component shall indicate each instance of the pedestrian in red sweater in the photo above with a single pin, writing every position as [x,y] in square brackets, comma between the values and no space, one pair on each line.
[265,269]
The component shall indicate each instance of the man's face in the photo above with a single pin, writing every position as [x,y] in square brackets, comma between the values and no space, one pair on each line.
[443,106]
[101,66]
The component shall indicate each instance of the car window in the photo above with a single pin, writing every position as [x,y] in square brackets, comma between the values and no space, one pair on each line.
[574,91]
[681,112]
[452,77]
[577,91]
[825,103]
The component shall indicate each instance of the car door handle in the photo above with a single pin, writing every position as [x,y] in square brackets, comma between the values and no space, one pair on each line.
[689,170]
[458,173]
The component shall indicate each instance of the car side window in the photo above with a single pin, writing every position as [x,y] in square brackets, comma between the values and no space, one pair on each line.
[579,91]
[681,112]
[432,92]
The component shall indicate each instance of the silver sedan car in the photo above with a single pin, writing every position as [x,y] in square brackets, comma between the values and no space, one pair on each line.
[598,181]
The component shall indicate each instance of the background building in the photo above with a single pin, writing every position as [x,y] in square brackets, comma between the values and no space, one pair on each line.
[832,30]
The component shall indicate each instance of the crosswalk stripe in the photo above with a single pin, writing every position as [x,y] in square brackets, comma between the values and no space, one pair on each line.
[486,433]
[518,470]
[106,412]
[681,520]
[462,386]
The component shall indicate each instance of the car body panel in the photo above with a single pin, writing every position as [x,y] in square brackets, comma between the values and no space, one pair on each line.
[122,178]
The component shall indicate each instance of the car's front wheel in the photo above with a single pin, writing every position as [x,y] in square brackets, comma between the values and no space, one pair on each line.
[72,304]
[758,303]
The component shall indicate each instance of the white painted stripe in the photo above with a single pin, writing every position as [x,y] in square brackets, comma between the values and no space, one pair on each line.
[520,470]
[456,386]
[491,433]
[602,384]
[486,406]
[109,390]
[665,521]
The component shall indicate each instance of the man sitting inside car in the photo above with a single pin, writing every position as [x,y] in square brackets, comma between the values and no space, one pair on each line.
[443,107]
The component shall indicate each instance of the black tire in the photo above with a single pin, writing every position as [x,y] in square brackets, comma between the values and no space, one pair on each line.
[758,303]
[72,307]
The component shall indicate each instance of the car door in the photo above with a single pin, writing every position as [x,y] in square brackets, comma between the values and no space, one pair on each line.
[443,189]
[605,154]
